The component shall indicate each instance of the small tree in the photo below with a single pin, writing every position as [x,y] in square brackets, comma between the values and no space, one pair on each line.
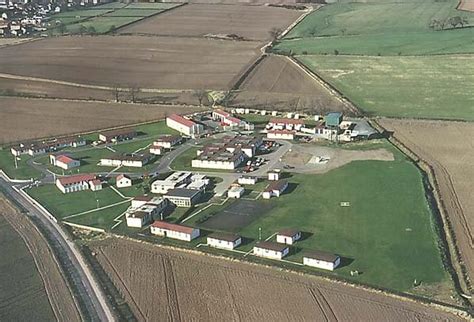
[91,30]
[112,28]
[62,28]
[82,29]
[336,52]
[200,94]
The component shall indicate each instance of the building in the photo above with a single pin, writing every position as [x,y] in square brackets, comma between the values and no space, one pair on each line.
[180,179]
[95,185]
[64,162]
[281,134]
[145,213]
[123,181]
[284,124]
[248,144]
[218,158]
[333,119]
[36,148]
[182,197]
[321,260]
[275,189]
[75,183]
[270,250]
[274,175]
[235,192]
[155,149]
[288,236]
[247,180]
[117,135]
[140,201]
[184,125]
[168,141]
[165,229]
[127,160]
[224,241]
[229,121]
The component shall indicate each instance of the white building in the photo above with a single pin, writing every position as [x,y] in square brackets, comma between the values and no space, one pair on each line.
[183,197]
[281,134]
[184,125]
[145,213]
[123,181]
[229,121]
[168,141]
[247,180]
[64,162]
[178,179]
[235,192]
[284,124]
[140,201]
[321,260]
[274,175]
[288,236]
[270,250]
[95,185]
[74,183]
[155,149]
[224,241]
[275,189]
[165,229]
[126,160]
[219,159]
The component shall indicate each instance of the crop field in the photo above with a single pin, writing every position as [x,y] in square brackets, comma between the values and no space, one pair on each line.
[174,63]
[446,147]
[33,287]
[437,87]
[381,28]
[198,20]
[278,83]
[196,287]
[39,118]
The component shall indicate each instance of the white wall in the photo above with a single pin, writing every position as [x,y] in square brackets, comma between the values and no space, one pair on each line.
[134,222]
[320,263]
[175,234]
[262,252]
[217,243]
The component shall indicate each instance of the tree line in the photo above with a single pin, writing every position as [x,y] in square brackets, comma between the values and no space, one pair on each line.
[452,22]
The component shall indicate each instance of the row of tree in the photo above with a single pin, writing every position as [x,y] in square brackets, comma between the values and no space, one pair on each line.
[452,22]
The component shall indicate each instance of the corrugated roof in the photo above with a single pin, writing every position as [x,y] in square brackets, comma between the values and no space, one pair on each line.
[173,227]
[272,246]
[76,179]
[182,120]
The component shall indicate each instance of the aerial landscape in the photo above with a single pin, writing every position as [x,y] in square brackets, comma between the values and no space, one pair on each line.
[217,160]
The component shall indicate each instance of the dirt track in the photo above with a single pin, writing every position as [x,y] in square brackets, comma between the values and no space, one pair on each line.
[198,20]
[24,118]
[163,284]
[277,83]
[60,298]
[449,149]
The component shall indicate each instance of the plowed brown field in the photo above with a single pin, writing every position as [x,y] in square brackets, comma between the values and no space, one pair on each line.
[278,83]
[448,147]
[197,20]
[162,284]
[33,287]
[24,118]
[159,62]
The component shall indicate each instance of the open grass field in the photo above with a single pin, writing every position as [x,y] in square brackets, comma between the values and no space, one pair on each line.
[416,87]
[104,24]
[33,287]
[447,148]
[205,288]
[167,62]
[198,20]
[278,83]
[380,27]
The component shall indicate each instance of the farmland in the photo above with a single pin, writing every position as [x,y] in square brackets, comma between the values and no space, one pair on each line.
[444,146]
[277,83]
[33,287]
[249,22]
[176,63]
[197,287]
[416,87]
[467,5]
[380,28]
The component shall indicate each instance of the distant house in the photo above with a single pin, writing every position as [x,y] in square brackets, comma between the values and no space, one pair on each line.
[184,125]
[145,213]
[127,160]
[180,179]
[288,236]
[155,149]
[224,241]
[117,135]
[281,134]
[321,260]
[235,192]
[229,121]
[285,124]
[247,180]
[270,250]
[183,197]
[123,181]
[168,141]
[36,148]
[333,119]
[275,189]
[274,175]
[140,201]
[166,229]
[75,183]
[64,162]
[95,185]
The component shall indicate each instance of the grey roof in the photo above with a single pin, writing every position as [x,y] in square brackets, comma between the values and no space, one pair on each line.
[289,232]
[317,254]
[363,128]
[224,236]
[272,246]
[182,192]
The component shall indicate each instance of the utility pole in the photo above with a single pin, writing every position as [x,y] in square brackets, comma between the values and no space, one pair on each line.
[259,233]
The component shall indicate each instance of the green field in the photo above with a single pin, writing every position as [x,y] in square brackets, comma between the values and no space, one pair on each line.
[81,13]
[23,171]
[380,28]
[415,87]
[133,12]
[102,24]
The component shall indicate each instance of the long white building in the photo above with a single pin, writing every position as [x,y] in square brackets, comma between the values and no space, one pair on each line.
[224,241]
[75,183]
[184,125]
[166,229]
[321,260]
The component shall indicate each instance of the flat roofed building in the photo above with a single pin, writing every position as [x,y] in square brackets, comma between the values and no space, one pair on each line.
[183,197]
[168,141]
[274,175]
[235,192]
[141,200]
[321,260]
[184,125]
[146,213]
[166,229]
[36,148]
[281,134]
[270,250]
[247,180]
[174,180]
[117,135]
[288,236]
[155,149]
[219,158]
[285,123]
[224,240]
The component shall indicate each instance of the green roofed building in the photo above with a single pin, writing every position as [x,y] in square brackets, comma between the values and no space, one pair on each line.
[333,119]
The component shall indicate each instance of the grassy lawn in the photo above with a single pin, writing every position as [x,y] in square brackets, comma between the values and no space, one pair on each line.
[63,205]
[24,171]
[101,219]
[102,24]
[380,27]
[415,87]
[81,13]
[183,161]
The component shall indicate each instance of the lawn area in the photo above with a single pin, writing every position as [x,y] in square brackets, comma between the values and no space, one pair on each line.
[24,171]
[416,87]
[81,13]
[103,219]
[102,24]
[183,161]
[63,205]
[126,12]
[380,27]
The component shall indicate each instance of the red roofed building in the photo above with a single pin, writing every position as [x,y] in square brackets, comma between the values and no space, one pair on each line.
[184,125]
[75,183]
[166,229]
[64,162]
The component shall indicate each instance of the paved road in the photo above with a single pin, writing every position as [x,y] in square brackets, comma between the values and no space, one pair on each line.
[89,293]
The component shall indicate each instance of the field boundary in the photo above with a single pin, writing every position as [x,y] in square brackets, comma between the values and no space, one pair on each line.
[455,267]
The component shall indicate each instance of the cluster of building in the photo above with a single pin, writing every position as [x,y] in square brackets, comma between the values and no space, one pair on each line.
[184,125]
[78,182]
[230,122]
[135,160]
[42,147]
[228,154]
[145,210]
[119,135]
[165,142]
[22,18]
